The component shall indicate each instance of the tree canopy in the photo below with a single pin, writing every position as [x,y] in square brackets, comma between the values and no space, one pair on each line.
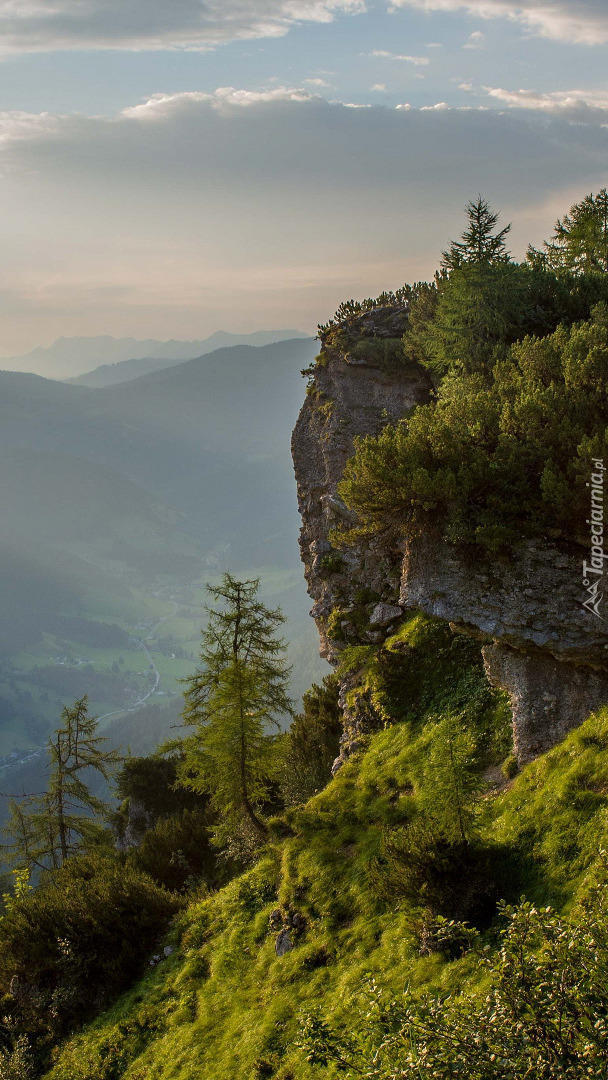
[579,244]
[480,243]
[233,701]
[47,829]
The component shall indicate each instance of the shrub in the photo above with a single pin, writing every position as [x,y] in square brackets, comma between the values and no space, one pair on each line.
[177,852]
[454,880]
[543,1017]
[495,460]
[148,786]
[313,743]
[74,943]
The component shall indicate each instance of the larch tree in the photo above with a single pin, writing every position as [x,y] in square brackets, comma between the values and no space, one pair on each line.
[579,244]
[233,702]
[47,829]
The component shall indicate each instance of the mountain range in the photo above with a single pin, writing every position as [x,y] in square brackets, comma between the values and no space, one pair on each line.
[73,357]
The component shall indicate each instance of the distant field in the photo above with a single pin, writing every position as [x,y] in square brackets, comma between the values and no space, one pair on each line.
[39,681]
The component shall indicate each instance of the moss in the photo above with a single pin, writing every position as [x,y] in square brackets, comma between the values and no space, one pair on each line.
[332,563]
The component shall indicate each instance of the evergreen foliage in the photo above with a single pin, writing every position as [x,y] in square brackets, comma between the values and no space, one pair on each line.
[239,692]
[312,743]
[47,829]
[579,244]
[176,852]
[480,243]
[451,783]
[496,460]
[69,946]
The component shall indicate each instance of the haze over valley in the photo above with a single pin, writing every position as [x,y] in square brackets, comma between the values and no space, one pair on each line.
[119,504]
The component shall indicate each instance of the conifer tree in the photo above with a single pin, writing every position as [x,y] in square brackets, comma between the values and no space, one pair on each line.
[451,787]
[479,243]
[47,829]
[232,701]
[579,243]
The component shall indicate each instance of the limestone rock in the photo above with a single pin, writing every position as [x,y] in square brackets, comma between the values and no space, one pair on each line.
[385,614]
[283,943]
[540,645]
[549,697]
[347,400]
[530,600]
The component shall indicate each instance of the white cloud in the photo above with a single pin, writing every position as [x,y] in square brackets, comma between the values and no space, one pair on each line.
[379,88]
[582,21]
[41,25]
[160,106]
[581,105]
[321,83]
[476,40]
[383,54]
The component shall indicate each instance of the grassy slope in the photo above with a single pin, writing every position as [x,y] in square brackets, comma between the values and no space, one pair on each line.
[224,1006]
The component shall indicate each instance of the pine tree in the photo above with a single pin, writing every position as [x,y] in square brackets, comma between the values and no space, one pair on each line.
[479,243]
[233,699]
[451,786]
[47,829]
[579,243]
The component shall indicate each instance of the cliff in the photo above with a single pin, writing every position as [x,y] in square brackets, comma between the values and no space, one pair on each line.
[539,643]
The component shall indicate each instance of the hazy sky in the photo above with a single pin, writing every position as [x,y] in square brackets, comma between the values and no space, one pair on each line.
[173,167]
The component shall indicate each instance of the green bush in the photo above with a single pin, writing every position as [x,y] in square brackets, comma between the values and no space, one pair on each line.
[495,460]
[312,744]
[543,1017]
[70,946]
[450,879]
[149,784]
[177,852]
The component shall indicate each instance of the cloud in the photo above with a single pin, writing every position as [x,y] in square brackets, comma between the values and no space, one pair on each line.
[581,105]
[378,88]
[582,21]
[43,25]
[418,61]
[475,41]
[191,210]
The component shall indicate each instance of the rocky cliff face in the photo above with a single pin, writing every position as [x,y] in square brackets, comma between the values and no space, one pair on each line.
[353,392]
[539,643]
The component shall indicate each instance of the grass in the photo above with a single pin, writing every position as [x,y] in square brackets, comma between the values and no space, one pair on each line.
[224,1005]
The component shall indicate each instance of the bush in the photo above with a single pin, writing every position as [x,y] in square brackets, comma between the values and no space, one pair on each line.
[313,743]
[147,785]
[176,852]
[496,460]
[73,944]
[448,879]
[543,1017]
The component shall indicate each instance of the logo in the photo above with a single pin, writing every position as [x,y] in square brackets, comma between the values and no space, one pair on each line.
[593,571]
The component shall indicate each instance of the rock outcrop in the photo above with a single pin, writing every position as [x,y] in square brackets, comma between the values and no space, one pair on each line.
[355,592]
[539,644]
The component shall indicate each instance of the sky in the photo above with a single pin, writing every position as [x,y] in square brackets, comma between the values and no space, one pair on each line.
[169,169]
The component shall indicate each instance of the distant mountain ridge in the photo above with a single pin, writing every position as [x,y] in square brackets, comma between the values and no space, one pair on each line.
[80,358]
